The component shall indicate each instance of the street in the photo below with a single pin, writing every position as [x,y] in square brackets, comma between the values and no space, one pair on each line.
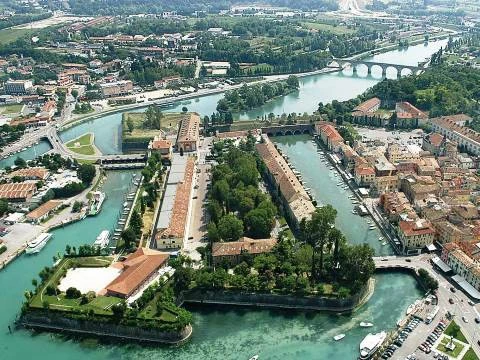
[459,309]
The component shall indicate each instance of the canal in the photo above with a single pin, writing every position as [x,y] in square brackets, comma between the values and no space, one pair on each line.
[221,333]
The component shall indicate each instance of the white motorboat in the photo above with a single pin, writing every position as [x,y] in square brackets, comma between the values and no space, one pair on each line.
[102,239]
[410,308]
[384,243]
[38,243]
[370,344]
[366,324]
[338,337]
[254,357]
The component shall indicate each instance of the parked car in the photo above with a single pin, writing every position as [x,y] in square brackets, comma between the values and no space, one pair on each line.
[451,301]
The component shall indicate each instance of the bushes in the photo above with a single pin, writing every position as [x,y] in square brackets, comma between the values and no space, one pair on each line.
[72,293]
[427,280]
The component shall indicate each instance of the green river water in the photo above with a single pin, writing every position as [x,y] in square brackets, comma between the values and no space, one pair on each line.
[221,333]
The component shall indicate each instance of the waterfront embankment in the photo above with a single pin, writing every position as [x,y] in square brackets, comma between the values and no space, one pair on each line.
[277,301]
[55,322]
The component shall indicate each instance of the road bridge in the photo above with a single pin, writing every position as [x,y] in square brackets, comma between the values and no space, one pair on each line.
[120,161]
[344,63]
[295,129]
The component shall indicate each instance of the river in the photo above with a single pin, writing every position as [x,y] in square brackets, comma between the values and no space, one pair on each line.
[221,333]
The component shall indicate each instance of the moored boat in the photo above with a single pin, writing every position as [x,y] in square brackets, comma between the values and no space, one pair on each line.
[370,344]
[366,324]
[96,204]
[254,357]
[338,337]
[102,239]
[38,243]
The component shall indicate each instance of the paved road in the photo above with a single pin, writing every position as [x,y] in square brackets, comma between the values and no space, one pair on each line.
[199,216]
[460,308]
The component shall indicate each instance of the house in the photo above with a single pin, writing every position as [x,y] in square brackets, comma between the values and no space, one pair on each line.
[231,252]
[292,194]
[137,270]
[173,217]
[166,81]
[408,116]
[31,173]
[117,88]
[188,133]
[364,175]
[330,137]
[17,192]
[452,127]
[43,211]
[161,146]
[18,87]
[415,235]
[434,143]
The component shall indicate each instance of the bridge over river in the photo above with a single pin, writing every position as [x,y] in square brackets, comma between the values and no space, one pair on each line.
[112,162]
[344,63]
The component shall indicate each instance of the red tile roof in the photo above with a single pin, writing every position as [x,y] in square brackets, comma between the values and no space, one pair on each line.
[138,267]
[17,190]
[44,209]
[368,105]
[161,144]
[246,244]
[414,228]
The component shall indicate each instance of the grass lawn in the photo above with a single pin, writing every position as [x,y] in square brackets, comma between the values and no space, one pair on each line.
[10,35]
[86,161]
[169,124]
[82,145]
[458,347]
[85,139]
[11,109]
[339,30]
[454,330]
[470,355]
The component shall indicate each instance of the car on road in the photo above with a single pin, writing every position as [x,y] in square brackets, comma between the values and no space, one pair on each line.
[451,301]
[408,260]
[464,319]
[470,302]
[477,320]
[452,289]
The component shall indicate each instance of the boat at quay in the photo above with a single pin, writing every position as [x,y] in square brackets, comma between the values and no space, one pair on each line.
[96,203]
[222,333]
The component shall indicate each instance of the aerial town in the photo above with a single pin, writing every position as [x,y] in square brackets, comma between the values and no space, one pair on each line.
[240,180]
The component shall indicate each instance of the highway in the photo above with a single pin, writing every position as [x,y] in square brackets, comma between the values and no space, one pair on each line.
[460,308]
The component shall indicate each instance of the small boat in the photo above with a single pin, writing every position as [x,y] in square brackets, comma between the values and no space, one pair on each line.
[365,324]
[372,227]
[338,337]
[410,309]
[38,243]
[102,239]
[384,243]
[381,238]
[254,357]
[96,204]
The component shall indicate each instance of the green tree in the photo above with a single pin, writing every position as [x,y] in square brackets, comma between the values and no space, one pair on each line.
[130,125]
[258,224]
[292,81]
[3,206]
[129,237]
[230,228]
[86,173]
[20,162]
[136,222]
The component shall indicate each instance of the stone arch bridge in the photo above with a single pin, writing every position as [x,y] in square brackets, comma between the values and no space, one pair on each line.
[344,63]
[295,129]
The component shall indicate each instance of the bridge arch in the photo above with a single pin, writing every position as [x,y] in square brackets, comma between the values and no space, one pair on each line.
[297,132]
[406,72]
[306,131]
[269,134]
[279,133]
[289,132]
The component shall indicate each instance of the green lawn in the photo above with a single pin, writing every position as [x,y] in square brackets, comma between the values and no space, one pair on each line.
[338,30]
[169,124]
[11,109]
[85,139]
[458,347]
[82,145]
[10,35]
[454,330]
[470,355]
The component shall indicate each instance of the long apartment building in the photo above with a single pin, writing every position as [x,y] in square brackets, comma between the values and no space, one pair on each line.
[453,128]
[297,203]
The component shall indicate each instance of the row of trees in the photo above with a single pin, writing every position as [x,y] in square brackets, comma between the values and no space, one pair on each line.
[236,205]
[249,97]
